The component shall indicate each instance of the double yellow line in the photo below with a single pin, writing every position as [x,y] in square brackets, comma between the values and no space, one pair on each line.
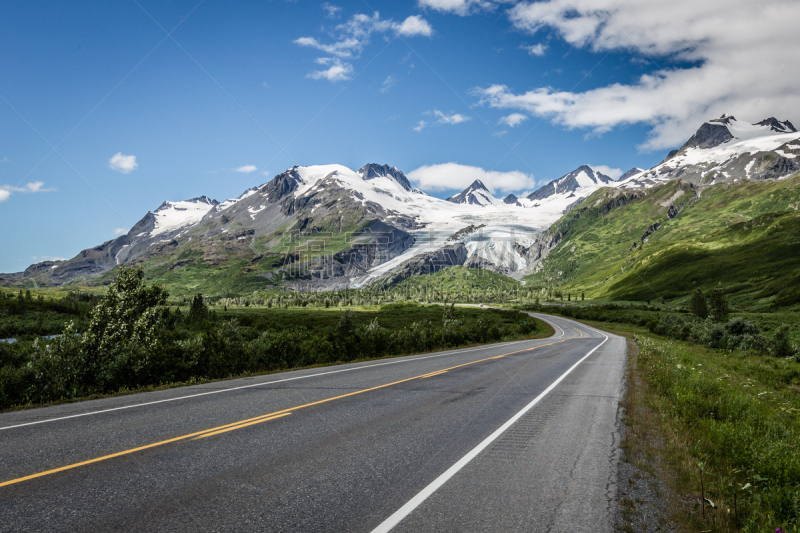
[260,419]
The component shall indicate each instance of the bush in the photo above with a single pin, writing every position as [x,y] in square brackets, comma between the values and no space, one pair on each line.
[780,342]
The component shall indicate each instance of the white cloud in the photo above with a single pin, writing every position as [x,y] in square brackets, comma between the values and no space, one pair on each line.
[513,120]
[343,48]
[123,163]
[120,231]
[246,169]
[536,49]
[741,56]
[452,176]
[443,118]
[34,186]
[350,39]
[420,126]
[337,71]
[460,7]
[331,11]
[47,258]
[611,172]
[388,83]
[412,26]
[31,187]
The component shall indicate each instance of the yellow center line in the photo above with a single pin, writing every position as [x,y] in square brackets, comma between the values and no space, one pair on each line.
[262,418]
[434,374]
[204,435]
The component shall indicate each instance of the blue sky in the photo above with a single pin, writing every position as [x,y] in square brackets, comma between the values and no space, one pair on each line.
[111,108]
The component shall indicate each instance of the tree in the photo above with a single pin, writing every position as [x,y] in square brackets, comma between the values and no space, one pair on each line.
[198,310]
[122,324]
[718,305]
[698,305]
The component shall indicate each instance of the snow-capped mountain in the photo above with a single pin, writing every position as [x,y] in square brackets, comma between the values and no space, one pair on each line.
[726,149]
[632,172]
[475,194]
[373,170]
[171,216]
[327,226]
[582,178]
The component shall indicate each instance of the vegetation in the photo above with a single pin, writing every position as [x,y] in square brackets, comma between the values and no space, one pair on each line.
[134,340]
[24,314]
[731,431]
[742,237]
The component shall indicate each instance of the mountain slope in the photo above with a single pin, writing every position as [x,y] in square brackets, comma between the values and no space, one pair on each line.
[581,179]
[475,194]
[327,226]
[669,240]
[724,150]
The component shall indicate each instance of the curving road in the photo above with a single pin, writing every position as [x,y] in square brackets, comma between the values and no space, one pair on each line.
[515,436]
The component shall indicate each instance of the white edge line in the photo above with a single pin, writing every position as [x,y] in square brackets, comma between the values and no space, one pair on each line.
[416,501]
[404,360]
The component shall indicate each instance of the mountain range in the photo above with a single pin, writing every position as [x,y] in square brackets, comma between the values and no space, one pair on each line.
[327,226]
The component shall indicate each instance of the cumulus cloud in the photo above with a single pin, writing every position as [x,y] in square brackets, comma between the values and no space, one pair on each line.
[123,163]
[350,39]
[246,169]
[513,120]
[442,118]
[31,187]
[535,49]
[412,26]
[741,58]
[337,71]
[452,176]
[331,11]
[420,126]
[611,172]
[120,231]
[460,7]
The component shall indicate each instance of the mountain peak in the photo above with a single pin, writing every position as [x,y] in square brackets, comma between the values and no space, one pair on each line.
[631,172]
[582,177]
[475,194]
[373,170]
[710,134]
[724,119]
[478,185]
[777,126]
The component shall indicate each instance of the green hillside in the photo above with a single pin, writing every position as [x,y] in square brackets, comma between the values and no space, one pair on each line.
[459,283]
[744,236]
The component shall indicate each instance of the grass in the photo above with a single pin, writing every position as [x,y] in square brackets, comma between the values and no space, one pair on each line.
[734,417]
[459,281]
[392,316]
[744,236]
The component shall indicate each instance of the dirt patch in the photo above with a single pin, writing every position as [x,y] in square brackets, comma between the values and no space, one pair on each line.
[645,498]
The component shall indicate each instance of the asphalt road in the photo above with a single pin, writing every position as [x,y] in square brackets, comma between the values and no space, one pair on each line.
[507,437]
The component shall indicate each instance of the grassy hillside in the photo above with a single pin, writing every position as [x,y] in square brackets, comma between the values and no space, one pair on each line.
[743,236]
[459,283]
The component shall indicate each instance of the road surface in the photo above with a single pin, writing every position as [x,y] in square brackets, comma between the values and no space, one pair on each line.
[506,437]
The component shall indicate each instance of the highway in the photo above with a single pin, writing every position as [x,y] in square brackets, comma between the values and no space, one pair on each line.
[515,436]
